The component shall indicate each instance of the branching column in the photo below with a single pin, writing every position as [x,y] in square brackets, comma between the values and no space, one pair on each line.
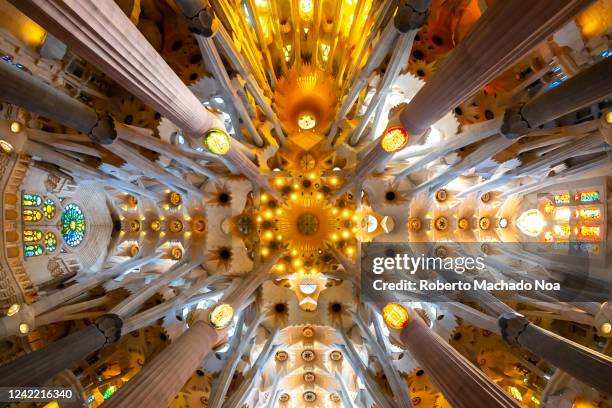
[505,32]
[102,34]
[38,367]
[588,366]
[462,384]
[156,385]
[25,90]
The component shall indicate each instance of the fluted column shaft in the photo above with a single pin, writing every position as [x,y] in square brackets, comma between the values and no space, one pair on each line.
[156,385]
[25,90]
[583,89]
[38,367]
[588,366]
[102,34]
[462,384]
[505,32]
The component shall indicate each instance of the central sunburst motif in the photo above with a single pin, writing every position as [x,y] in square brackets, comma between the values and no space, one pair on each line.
[308,223]
[307,226]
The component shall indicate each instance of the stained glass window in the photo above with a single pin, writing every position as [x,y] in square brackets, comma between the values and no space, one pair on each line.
[32,215]
[50,241]
[73,225]
[33,250]
[561,199]
[588,213]
[587,196]
[49,208]
[32,236]
[30,200]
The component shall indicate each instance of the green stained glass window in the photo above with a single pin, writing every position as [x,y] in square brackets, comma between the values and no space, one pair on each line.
[33,250]
[73,225]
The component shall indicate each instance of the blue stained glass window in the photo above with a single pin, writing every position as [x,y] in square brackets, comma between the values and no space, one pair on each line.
[73,225]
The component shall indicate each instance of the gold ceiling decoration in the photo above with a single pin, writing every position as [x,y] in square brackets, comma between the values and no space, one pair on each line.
[305,99]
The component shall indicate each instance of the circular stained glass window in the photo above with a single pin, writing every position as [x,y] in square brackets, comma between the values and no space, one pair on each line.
[73,225]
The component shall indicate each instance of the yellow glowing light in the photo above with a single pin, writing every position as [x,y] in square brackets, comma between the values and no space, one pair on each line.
[306,121]
[562,214]
[264,198]
[294,252]
[297,263]
[293,196]
[268,214]
[176,253]
[268,235]
[325,48]
[345,234]
[24,328]
[606,328]
[335,237]
[334,211]
[296,186]
[395,316]
[334,181]
[609,117]
[221,316]
[279,182]
[265,252]
[16,127]
[13,310]
[261,3]
[346,213]
[350,251]
[279,211]
[531,223]
[306,7]
[6,147]
[319,196]
[217,141]
[394,139]
[259,219]
[516,394]
[312,176]
[280,267]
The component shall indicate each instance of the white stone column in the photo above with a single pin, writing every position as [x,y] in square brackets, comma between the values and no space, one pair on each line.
[103,35]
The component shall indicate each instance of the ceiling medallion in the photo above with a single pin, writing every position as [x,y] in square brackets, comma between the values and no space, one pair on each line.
[308,355]
[441,195]
[309,396]
[217,141]
[394,139]
[395,316]
[281,356]
[221,316]
[441,223]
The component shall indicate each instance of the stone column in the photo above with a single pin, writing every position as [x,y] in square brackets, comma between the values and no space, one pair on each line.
[381,398]
[9,325]
[103,35]
[80,170]
[25,90]
[156,385]
[462,384]
[586,88]
[398,386]
[588,366]
[144,137]
[505,32]
[37,368]
[151,169]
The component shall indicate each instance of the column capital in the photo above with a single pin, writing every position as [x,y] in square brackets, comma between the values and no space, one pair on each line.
[411,15]
[512,326]
[110,326]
